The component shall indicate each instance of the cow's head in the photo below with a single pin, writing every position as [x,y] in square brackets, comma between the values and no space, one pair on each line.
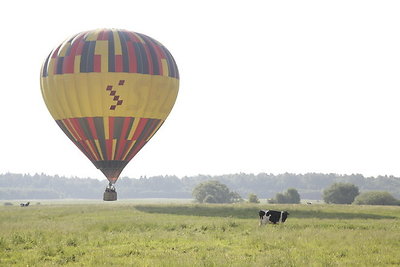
[285,214]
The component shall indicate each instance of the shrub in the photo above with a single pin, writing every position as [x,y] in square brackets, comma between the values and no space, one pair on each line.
[376,198]
[290,196]
[340,193]
[209,199]
[214,192]
[253,198]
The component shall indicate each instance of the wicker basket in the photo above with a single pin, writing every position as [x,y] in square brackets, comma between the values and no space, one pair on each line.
[110,196]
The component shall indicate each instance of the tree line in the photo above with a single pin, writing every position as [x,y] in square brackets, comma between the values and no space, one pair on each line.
[338,193]
[264,185]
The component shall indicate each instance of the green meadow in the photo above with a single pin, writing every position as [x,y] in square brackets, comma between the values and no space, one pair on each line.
[175,234]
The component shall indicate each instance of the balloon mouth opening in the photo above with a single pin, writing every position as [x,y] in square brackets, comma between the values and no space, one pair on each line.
[112,180]
[111,169]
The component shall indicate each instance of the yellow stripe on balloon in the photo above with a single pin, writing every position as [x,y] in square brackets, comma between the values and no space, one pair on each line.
[73,130]
[140,38]
[117,43]
[91,150]
[102,50]
[128,150]
[92,36]
[106,128]
[164,65]
[77,64]
[70,130]
[63,49]
[133,129]
[50,67]
[114,147]
[96,141]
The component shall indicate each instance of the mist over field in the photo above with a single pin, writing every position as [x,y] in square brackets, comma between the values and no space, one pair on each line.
[309,185]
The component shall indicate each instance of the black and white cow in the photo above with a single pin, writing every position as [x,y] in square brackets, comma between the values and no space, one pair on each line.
[272,216]
[24,204]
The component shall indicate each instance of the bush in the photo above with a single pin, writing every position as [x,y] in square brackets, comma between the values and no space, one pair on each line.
[214,192]
[376,198]
[209,199]
[340,193]
[253,198]
[291,196]
[8,204]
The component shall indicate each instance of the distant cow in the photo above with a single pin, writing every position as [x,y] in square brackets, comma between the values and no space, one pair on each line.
[272,216]
[24,204]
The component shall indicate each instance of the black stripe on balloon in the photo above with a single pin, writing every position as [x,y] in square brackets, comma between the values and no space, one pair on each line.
[111,52]
[99,125]
[90,56]
[170,62]
[143,57]
[68,52]
[84,57]
[139,59]
[157,126]
[125,55]
[131,120]
[118,124]
[60,61]
[154,57]
[83,123]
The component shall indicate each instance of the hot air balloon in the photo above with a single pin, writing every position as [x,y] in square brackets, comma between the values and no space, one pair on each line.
[110,90]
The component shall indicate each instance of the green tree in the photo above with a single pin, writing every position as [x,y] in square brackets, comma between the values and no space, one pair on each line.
[280,198]
[214,192]
[290,196]
[253,198]
[209,199]
[376,198]
[340,193]
[235,197]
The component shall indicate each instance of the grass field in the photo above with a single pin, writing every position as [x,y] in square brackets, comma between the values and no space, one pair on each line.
[175,234]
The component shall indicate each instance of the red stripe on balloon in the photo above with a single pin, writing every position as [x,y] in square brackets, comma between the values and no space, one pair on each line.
[139,129]
[122,138]
[97,63]
[109,148]
[92,127]
[118,63]
[78,129]
[132,58]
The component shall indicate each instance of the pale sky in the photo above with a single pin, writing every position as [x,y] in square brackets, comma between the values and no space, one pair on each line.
[266,86]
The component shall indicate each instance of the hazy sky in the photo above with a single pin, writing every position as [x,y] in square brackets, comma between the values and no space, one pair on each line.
[266,86]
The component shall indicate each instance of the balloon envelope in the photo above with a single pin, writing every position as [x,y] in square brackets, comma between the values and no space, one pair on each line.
[110,90]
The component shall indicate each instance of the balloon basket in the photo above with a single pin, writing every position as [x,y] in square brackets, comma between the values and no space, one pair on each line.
[110,194]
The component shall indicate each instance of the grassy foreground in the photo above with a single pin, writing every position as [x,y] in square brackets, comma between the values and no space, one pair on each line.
[128,234]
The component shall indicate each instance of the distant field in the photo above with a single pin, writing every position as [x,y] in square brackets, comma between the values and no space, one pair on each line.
[129,233]
[100,201]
